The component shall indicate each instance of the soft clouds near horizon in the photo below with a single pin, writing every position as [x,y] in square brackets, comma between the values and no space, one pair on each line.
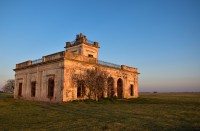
[160,38]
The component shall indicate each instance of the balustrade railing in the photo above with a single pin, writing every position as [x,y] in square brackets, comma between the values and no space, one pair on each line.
[72,42]
[100,62]
[90,42]
[109,64]
[36,61]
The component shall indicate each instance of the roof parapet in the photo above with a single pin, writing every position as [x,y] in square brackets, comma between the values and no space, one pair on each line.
[127,68]
[81,39]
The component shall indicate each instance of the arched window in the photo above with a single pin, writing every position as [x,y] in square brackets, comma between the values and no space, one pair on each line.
[120,88]
[80,89]
[50,87]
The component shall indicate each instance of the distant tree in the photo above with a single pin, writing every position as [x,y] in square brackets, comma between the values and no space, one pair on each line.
[9,86]
[94,79]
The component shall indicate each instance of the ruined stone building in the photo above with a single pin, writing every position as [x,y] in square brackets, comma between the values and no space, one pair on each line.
[48,78]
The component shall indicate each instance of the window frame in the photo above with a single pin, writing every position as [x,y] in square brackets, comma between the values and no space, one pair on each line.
[51,87]
[33,88]
[131,90]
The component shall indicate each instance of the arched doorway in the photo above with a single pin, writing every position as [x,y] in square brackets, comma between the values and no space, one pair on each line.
[110,89]
[119,88]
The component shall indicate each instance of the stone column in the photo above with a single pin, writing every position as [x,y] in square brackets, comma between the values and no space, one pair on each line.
[24,86]
[136,86]
[124,95]
[16,87]
[28,86]
[115,87]
[105,93]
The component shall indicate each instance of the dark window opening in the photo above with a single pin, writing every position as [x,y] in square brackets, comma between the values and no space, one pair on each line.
[33,87]
[131,90]
[81,89]
[50,87]
[120,88]
[89,55]
[20,89]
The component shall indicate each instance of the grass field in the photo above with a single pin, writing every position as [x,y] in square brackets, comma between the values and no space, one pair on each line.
[148,112]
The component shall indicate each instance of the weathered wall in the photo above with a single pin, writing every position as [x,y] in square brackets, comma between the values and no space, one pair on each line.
[84,49]
[79,56]
[89,50]
[75,49]
[127,77]
[73,66]
[40,74]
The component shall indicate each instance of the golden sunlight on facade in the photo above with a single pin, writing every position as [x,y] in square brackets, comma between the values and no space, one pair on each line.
[49,78]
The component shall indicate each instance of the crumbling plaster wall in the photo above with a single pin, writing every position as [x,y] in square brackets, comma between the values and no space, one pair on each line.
[73,66]
[40,74]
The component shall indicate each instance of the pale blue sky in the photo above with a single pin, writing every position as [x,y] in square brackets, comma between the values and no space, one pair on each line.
[159,37]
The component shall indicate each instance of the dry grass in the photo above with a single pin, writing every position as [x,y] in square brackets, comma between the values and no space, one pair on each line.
[149,112]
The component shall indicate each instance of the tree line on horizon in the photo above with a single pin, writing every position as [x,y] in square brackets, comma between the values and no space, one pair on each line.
[9,86]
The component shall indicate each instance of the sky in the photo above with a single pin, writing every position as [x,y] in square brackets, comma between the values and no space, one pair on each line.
[159,37]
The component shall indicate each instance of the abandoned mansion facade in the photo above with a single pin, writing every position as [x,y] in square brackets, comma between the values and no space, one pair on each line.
[49,78]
